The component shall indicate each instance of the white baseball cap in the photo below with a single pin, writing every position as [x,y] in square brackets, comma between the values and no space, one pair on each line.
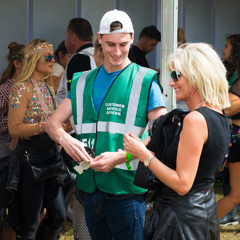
[113,16]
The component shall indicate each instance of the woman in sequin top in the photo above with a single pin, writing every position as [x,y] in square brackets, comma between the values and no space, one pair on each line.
[31,103]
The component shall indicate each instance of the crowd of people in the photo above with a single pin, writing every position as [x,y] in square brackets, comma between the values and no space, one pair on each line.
[72,124]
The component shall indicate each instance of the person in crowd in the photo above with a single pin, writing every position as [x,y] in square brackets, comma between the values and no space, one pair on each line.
[78,41]
[31,103]
[114,206]
[230,203]
[15,59]
[147,42]
[62,58]
[231,57]
[181,38]
[185,207]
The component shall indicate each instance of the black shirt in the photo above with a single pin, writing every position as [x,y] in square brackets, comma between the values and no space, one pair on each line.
[140,57]
[79,62]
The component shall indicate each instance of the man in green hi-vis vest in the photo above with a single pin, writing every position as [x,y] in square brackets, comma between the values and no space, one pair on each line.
[113,99]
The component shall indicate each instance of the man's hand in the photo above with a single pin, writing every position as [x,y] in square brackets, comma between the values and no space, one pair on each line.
[74,148]
[106,161]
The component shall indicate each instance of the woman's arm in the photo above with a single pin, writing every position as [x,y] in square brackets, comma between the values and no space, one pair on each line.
[192,138]
[235,105]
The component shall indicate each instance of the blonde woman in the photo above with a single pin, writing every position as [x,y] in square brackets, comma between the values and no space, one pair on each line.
[31,103]
[231,55]
[185,208]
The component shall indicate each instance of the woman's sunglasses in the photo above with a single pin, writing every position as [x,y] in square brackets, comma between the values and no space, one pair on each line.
[175,75]
[49,58]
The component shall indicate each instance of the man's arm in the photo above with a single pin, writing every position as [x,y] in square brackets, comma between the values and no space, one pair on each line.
[54,128]
[156,112]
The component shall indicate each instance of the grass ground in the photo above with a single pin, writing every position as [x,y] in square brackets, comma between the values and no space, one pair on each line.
[227,233]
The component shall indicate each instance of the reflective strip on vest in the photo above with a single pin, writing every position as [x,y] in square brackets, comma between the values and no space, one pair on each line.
[79,100]
[108,127]
[111,127]
[89,52]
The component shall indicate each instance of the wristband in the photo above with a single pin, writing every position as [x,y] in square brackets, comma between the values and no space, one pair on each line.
[128,158]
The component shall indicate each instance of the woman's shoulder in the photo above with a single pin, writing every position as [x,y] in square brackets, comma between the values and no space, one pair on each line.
[194,123]
[21,88]
[25,84]
[194,117]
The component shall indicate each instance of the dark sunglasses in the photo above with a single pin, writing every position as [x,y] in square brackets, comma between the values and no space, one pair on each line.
[49,58]
[175,75]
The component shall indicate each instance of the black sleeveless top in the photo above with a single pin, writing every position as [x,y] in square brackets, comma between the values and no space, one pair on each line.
[213,151]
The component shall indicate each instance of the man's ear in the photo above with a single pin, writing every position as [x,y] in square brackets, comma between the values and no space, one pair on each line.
[144,39]
[73,37]
[16,64]
[99,38]
[131,38]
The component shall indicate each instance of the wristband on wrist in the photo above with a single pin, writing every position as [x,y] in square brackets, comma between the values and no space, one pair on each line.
[128,158]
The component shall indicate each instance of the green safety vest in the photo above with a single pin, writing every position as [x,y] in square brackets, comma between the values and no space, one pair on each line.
[124,109]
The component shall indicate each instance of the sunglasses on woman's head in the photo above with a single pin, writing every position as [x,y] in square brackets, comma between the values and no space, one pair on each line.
[175,75]
[49,58]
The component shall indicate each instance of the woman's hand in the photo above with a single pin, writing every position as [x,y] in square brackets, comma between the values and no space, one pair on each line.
[134,145]
[13,144]
[147,140]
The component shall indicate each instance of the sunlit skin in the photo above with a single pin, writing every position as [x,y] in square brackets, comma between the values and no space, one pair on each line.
[43,68]
[115,48]
[226,51]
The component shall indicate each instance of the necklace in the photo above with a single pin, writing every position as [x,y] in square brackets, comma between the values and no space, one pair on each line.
[198,105]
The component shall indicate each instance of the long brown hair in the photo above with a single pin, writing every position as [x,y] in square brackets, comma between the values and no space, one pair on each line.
[233,61]
[16,52]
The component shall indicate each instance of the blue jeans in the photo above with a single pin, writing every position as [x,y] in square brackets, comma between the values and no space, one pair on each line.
[114,217]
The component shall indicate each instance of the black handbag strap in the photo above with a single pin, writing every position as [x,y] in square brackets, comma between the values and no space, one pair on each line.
[54,102]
